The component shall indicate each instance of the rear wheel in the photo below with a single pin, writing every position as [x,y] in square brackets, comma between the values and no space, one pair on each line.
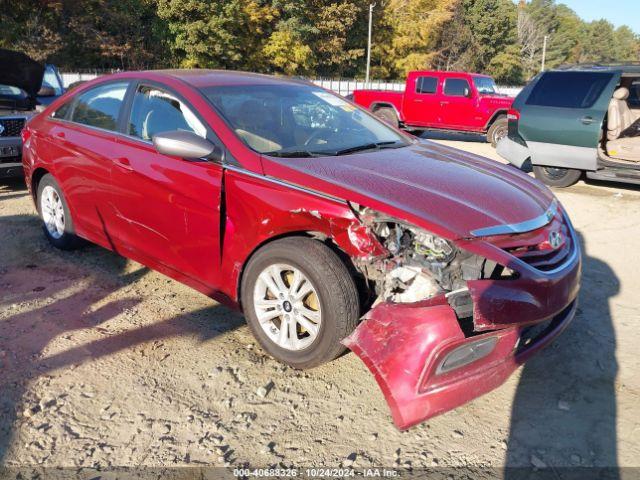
[387,115]
[300,301]
[54,212]
[555,176]
[498,130]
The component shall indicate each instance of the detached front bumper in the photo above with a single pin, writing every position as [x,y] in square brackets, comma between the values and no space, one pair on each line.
[404,346]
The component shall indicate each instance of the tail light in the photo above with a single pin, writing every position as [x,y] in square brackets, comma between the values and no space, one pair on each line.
[25,134]
[513,120]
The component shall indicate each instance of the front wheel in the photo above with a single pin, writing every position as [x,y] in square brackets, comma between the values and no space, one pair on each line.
[300,301]
[555,176]
[498,130]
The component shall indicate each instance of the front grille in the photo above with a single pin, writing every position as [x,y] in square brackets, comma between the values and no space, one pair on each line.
[11,127]
[534,248]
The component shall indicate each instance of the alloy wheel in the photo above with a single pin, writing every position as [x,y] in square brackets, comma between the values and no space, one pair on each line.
[287,307]
[52,212]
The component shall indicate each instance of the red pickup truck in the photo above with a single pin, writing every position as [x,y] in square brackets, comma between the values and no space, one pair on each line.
[452,101]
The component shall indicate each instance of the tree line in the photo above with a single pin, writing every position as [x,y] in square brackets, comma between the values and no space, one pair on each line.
[313,37]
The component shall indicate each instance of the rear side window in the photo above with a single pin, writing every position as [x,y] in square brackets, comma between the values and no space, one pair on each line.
[100,106]
[569,89]
[456,87]
[426,85]
[634,94]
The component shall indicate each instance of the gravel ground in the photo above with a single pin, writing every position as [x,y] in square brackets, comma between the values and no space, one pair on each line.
[105,363]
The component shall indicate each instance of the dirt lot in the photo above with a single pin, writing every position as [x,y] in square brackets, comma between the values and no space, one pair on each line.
[105,363]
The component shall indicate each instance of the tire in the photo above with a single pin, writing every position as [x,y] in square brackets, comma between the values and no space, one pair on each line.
[498,130]
[334,294]
[56,217]
[387,115]
[557,177]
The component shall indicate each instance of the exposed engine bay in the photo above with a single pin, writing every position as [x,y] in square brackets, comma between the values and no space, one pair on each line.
[420,265]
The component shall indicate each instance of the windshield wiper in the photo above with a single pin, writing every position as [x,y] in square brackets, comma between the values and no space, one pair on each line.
[291,154]
[369,146]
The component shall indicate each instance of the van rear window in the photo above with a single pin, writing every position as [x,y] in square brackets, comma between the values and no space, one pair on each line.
[569,89]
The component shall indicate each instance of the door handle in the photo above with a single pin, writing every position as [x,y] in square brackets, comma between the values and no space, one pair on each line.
[444,103]
[418,100]
[60,134]
[587,120]
[123,163]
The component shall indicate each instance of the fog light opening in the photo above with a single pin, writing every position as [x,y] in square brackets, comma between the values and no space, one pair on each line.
[466,354]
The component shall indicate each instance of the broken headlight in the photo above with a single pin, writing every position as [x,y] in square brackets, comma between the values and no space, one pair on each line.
[420,264]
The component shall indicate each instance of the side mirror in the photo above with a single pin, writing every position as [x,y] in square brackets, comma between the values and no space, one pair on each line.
[467,92]
[46,91]
[180,143]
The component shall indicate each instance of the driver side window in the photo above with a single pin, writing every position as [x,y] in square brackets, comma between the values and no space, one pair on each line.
[155,111]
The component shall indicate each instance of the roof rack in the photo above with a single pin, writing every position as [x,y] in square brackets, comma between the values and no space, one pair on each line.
[587,66]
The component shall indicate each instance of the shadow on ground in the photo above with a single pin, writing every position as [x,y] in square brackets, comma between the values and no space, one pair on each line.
[564,409]
[24,336]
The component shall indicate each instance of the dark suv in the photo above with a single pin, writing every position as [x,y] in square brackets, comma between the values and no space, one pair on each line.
[25,87]
[575,120]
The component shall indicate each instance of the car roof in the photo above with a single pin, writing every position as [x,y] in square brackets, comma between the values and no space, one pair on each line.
[202,78]
[596,67]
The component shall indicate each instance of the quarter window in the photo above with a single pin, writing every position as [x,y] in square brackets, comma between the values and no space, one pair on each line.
[426,85]
[456,87]
[569,89]
[100,106]
[62,111]
[155,111]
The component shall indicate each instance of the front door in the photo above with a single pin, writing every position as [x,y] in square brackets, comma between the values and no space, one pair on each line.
[166,209]
[563,116]
[458,104]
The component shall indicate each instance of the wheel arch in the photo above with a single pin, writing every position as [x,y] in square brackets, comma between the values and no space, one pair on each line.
[497,114]
[378,105]
[322,237]
[36,177]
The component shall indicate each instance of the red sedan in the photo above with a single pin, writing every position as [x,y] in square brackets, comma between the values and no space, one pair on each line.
[442,270]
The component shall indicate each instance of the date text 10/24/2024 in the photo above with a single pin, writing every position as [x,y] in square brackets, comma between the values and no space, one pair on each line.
[314,472]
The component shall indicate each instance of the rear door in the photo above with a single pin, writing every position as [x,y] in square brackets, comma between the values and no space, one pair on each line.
[562,117]
[421,104]
[82,142]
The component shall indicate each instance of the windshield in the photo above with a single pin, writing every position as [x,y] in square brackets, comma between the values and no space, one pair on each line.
[299,121]
[7,91]
[485,85]
[52,80]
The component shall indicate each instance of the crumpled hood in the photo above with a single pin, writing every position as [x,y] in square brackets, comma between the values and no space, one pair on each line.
[433,184]
[20,70]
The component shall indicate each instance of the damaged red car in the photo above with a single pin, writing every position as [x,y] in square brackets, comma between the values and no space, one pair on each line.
[443,271]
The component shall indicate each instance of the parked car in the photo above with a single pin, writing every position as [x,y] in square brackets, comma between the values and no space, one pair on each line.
[22,90]
[325,226]
[451,101]
[578,120]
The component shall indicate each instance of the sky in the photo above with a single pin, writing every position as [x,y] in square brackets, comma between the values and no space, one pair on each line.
[618,12]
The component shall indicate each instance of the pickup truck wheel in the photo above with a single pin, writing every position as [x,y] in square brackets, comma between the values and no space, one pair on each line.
[387,115]
[555,176]
[56,218]
[498,130]
[300,301]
